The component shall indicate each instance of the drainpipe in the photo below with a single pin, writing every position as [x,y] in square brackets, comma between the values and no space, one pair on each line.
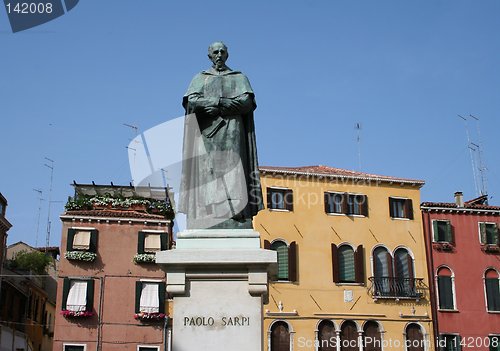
[430,270]
[99,316]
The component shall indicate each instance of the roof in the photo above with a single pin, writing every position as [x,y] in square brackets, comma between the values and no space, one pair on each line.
[469,205]
[114,213]
[332,172]
[126,191]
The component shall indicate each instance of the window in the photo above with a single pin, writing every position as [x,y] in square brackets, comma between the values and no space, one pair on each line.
[348,204]
[151,242]
[74,347]
[442,231]
[287,259]
[492,286]
[279,199]
[78,295]
[327,337]
[82,239]
[414,338]
[404,282]
[347,264]
[149,297]
[349,336]
[400,208]
[449,342]
[382,269]
[280,337]
[445,284]
[148,348]
[494,342]
[372,337]
[488,233]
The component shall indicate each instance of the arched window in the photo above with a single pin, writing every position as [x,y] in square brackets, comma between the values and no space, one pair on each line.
[346,264]
[492,285]
[445,282]
[404,283]
[326,336]
[282,249]
[349,337]
[382,266]
[280,337]
[372,338]
[414,338]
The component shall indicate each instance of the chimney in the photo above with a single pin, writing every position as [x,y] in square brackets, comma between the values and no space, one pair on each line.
[459,199]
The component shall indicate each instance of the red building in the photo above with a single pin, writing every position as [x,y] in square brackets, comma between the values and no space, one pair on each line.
[462,241]
[111,294]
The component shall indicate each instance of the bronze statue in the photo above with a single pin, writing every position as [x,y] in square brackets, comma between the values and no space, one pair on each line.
[220,185]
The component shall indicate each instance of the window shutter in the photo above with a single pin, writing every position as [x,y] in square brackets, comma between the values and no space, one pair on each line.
[327,198]
[93,241]
[289,200]
[66,286]
[90,295]
[345,203]
[267,245]
[409,208]
[335,263]
[359,265]
[161,297]
[138,292]
[389,264]
[496,239]
[164,241]
[493,294]
[482,231]
[364,206]
[445,292]
[268,195]
[411,274]
[435,229]
[292,262]
[69,242]
[140,242]
[449,233]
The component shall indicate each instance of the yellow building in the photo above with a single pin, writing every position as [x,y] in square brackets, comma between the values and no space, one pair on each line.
[352,270]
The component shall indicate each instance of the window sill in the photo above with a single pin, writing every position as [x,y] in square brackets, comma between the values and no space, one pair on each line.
[335,214]
[448,311]
[349,284]
[401,218]
[281,282]
[494,312]
[279,210]
[356,215]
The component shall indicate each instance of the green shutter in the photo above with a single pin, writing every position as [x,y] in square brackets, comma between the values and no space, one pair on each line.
[346,264]
[66,286]
[496,239]
[140,242]
[449,232]
[90,295]
[445,293]
[493,294]
[93,241]
[163,241]
[482,232]
[69,239]
[138,292]
[282,249]
[161,297]
[435,227]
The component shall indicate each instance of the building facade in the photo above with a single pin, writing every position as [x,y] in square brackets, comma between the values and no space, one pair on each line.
[462,239]
[352,272]
[111,295]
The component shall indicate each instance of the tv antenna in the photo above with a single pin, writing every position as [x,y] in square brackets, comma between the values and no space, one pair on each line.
[39,213]
[51,167]
[358,140]
[136,132]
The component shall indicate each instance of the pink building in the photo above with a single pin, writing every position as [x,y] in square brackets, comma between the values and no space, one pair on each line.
[462,240]
[111,294]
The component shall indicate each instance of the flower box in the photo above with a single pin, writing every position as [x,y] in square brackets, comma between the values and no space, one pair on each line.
[442,246]
[144,258]
[77,314]
[80,256]
[149,316]
[490,248]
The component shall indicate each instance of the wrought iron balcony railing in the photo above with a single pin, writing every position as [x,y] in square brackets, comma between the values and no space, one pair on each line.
[397,288]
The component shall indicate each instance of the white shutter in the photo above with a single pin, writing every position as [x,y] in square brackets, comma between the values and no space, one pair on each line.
[77,296]
[152,242]
[81,240]
[150,301]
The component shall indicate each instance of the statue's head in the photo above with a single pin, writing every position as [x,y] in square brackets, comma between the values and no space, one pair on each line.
[218,54]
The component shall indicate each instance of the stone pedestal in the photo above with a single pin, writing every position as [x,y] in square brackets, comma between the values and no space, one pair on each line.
[218,278]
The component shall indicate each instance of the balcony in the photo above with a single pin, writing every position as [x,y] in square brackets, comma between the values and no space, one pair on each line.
[397,288]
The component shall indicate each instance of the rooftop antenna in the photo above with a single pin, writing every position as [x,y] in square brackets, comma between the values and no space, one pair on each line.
[481,166]
[136,132]
[358,139]
[51,167]
[39,213]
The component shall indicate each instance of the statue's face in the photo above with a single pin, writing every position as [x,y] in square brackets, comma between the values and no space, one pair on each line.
[218,55]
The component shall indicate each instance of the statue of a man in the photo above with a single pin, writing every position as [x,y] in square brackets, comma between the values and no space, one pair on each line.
[220,185]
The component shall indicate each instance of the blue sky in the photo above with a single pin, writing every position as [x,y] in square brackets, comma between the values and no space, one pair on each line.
[402,69]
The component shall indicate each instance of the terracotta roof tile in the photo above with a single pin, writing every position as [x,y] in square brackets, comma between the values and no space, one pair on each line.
[466,206]
[335,172]
[114,213]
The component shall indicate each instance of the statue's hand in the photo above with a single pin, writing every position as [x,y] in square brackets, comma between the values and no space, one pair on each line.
[212,111]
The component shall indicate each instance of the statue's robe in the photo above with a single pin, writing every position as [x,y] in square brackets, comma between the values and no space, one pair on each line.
[220,186]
